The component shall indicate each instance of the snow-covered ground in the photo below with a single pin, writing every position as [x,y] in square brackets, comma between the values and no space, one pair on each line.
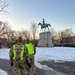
[3,72]
[55,53]
[59,54]
[45,54]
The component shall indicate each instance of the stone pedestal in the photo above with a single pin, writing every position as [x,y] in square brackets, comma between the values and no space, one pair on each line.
[45,40]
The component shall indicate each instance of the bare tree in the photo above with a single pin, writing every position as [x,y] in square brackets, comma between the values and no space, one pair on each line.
[23,33]
[3,28]
[55,37]
[68,32]
[18,33]
[34,30]
[54,34]
[3,5]
[13,36]
[26,34]
[6,30]
[10,33]
[65,34]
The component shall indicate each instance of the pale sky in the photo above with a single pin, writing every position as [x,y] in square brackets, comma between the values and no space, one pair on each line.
[59,13]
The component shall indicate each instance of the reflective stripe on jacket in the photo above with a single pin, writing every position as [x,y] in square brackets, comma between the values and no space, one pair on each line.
[21,55]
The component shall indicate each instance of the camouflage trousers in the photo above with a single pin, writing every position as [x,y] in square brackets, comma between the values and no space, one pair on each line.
[19,69]
[33,67]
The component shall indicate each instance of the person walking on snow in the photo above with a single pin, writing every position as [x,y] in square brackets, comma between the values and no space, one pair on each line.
[18,58]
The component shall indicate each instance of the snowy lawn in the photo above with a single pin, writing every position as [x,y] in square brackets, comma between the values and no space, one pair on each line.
[55,53]
[45,54]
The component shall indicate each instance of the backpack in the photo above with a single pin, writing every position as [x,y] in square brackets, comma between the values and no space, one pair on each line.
[18,52]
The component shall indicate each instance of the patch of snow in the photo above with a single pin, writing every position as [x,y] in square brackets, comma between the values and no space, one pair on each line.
[55,53]
[48,70]
[3,72]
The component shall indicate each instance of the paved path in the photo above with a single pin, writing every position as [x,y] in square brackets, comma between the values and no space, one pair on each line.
[5,65]
[67,68]
[64,67]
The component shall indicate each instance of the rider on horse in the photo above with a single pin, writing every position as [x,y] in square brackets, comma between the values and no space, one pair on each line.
[44,25]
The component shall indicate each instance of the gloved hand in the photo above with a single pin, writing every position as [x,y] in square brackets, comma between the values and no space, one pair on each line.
[11,63]
[29,65]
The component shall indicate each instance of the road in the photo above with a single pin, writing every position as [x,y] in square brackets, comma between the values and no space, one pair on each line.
[67,68]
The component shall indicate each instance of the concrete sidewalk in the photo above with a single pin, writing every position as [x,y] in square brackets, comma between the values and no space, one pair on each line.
[5,65]
[67,68]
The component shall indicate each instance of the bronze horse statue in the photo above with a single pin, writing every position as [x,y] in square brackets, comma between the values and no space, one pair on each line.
[44,25]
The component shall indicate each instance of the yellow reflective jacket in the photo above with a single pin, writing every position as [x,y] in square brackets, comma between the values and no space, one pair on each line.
[30,48]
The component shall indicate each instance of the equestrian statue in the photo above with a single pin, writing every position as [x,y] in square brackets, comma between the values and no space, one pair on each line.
[44,25]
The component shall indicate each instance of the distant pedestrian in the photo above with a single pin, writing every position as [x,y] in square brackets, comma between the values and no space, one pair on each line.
[31,51]
[18,57]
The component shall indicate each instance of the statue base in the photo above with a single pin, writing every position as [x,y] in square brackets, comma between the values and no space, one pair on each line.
[45,40]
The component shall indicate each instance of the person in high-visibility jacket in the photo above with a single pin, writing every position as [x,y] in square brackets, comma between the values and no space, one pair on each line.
[31,51]
[18,57]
